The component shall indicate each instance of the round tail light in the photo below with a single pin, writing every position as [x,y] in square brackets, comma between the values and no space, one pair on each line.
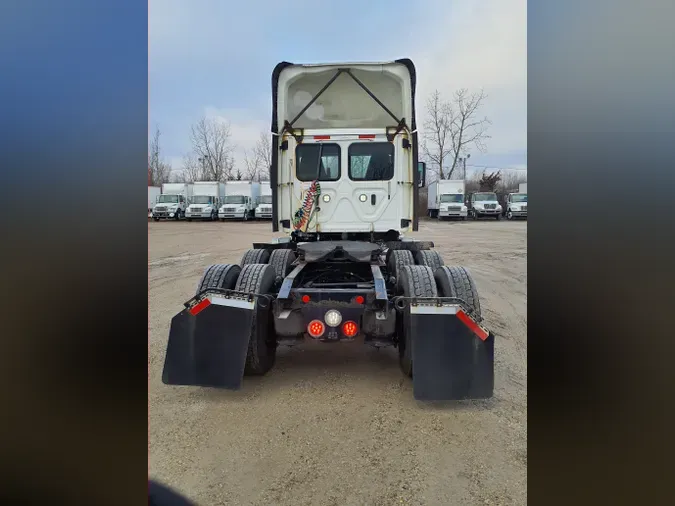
[316,328]
[350,329]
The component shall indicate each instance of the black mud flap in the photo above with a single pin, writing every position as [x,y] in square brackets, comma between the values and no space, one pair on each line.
[452,357]
[208,344]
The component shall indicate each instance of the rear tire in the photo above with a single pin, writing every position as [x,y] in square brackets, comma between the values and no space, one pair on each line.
[430,258]
[156,219]
[397,260]
[418,281]
[281,260]
[262,345]
[219,276]
[457,282]
[255,256]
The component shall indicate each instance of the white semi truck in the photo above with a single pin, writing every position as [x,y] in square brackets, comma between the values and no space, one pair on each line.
[264,209]
[344,187]
[153,194]
[207,197]
[241,198]
[173,201]
[446,199]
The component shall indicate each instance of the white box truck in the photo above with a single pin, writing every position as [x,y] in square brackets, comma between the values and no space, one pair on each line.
[516,203]
[264,209]
[173,201]
[446,199]
[153,194]
[241,198]
[207,197]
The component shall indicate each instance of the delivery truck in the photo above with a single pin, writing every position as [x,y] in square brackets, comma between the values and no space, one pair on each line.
[173,201]
[446,199]
[240,200]
[207,197]
[264,209]
[153,194]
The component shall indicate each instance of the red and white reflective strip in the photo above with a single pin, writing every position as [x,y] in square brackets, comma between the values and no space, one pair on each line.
[347,135]
[219,301]
[471,324]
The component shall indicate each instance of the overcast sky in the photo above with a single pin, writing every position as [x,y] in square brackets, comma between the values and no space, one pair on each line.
[215,58]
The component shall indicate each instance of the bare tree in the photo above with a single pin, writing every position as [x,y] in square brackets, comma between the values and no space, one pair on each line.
[452,128]
[158,170]
[257,162]
[191,171]
[212,151]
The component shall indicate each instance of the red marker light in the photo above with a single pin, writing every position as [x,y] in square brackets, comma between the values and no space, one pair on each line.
[315,328]
[366,136]
[350,329]
[321,137]
[305,299]
[359,299]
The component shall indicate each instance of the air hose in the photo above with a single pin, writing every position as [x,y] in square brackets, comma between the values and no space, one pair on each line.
[303,214]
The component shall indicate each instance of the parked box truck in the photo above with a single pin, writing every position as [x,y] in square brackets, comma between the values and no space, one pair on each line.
[173,201]
[153,194]
[207,197]
[446,199]
[264,209]
[516,203]
[241,198]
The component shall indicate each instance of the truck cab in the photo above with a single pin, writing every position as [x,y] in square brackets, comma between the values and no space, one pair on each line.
[481,204]
[516,205]
[203,207]
[264,208]
[169,206]
[357,156]
[236,207]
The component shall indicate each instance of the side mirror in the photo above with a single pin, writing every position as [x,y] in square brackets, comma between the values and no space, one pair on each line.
[422,174]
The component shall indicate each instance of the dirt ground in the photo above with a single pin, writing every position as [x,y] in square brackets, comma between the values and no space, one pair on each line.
[337,424]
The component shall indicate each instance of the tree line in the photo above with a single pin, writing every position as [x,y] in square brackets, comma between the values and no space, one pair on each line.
[211,157]
[453,128]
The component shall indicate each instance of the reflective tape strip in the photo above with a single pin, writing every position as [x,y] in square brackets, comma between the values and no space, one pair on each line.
[224,301]
[472,325]
[199,307]
[434,309]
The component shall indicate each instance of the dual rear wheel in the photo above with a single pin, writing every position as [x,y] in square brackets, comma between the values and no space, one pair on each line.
[428,277]
[258,272]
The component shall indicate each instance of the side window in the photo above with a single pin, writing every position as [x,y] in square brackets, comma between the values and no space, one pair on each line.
[371,161]
[317,161]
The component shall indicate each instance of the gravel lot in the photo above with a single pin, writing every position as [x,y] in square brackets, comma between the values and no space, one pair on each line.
[337,424]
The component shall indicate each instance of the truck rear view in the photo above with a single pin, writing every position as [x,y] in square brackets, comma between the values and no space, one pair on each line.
[344,184]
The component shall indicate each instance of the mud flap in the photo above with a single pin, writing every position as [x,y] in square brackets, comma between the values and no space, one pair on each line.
[452,357]
[208,344]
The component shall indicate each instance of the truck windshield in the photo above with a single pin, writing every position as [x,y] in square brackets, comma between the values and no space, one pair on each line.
[481,197]
[266,199]
[235,199]
[168,199]
[202,199]
[519,197]
[371,161]
[310,167]
[457,197]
